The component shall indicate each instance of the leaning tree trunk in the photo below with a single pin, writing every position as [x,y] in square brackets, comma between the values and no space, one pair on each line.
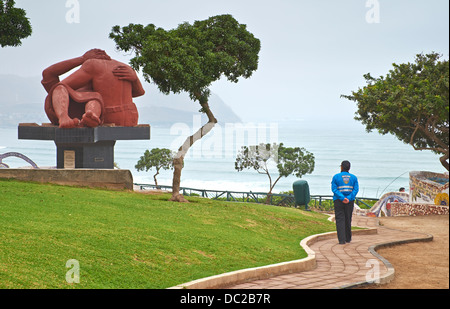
[429,131]
[178,161]
[154,178]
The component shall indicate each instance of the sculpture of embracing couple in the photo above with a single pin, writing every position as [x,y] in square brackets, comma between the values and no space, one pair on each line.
[100,92]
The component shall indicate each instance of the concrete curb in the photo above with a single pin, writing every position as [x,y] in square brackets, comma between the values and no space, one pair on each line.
[269,271]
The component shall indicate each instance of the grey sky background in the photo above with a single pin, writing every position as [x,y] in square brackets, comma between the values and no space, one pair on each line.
[312,51]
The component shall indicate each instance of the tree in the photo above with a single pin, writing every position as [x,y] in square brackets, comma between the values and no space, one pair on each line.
[288,161]
[411,102]
[188,59]
[157,158]
[14,25]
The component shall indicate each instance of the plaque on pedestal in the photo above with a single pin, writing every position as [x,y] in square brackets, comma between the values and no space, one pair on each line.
[69,159]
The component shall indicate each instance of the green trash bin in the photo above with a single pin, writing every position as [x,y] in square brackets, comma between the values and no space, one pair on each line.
[301,193]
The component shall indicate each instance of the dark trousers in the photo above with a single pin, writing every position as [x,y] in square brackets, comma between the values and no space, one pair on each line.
[343,216]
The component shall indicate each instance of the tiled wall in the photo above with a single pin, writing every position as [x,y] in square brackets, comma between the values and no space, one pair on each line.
[425,189]
[413,209]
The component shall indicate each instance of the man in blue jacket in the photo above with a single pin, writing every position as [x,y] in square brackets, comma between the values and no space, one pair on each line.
[345,187]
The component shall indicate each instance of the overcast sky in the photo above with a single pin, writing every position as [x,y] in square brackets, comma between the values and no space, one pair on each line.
[312,51]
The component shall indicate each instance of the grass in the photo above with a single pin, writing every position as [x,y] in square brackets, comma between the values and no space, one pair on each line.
[132,240]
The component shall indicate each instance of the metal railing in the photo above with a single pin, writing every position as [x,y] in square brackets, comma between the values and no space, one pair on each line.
[321,202]
[233,196]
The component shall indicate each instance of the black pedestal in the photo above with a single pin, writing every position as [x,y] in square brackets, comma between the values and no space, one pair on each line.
[84,147]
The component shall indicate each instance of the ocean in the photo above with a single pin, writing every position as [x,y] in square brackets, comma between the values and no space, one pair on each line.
[381,162]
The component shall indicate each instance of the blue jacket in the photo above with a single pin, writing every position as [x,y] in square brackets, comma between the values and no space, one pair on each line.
[344,185]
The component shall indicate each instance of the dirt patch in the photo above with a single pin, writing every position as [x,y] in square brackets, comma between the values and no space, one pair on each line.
[422,265]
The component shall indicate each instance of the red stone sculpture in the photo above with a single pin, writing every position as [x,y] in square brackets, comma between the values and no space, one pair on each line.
[99,92]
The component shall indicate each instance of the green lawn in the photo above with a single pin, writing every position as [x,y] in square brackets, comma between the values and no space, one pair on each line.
[131,240]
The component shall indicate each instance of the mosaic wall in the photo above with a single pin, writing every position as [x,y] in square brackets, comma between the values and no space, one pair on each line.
[383,205]
[429,188]
[428,194]
[409,209]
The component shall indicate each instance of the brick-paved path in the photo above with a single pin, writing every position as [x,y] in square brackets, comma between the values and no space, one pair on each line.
[341,265]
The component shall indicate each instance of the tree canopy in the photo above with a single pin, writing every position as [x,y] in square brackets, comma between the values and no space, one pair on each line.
[156,158]
[190,57]
[14,25]
[411,102]
[289,161]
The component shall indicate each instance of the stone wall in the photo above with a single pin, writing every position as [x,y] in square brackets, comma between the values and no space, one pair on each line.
[110,179]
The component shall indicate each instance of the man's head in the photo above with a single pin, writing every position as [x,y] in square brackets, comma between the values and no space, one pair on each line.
[345,166]
[96,54]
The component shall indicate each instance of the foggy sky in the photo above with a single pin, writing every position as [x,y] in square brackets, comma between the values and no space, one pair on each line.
[312,51]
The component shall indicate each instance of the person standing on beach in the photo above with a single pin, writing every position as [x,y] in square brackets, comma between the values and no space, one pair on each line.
[345,187]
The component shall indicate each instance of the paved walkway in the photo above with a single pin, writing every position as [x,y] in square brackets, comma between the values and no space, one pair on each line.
[344,266]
